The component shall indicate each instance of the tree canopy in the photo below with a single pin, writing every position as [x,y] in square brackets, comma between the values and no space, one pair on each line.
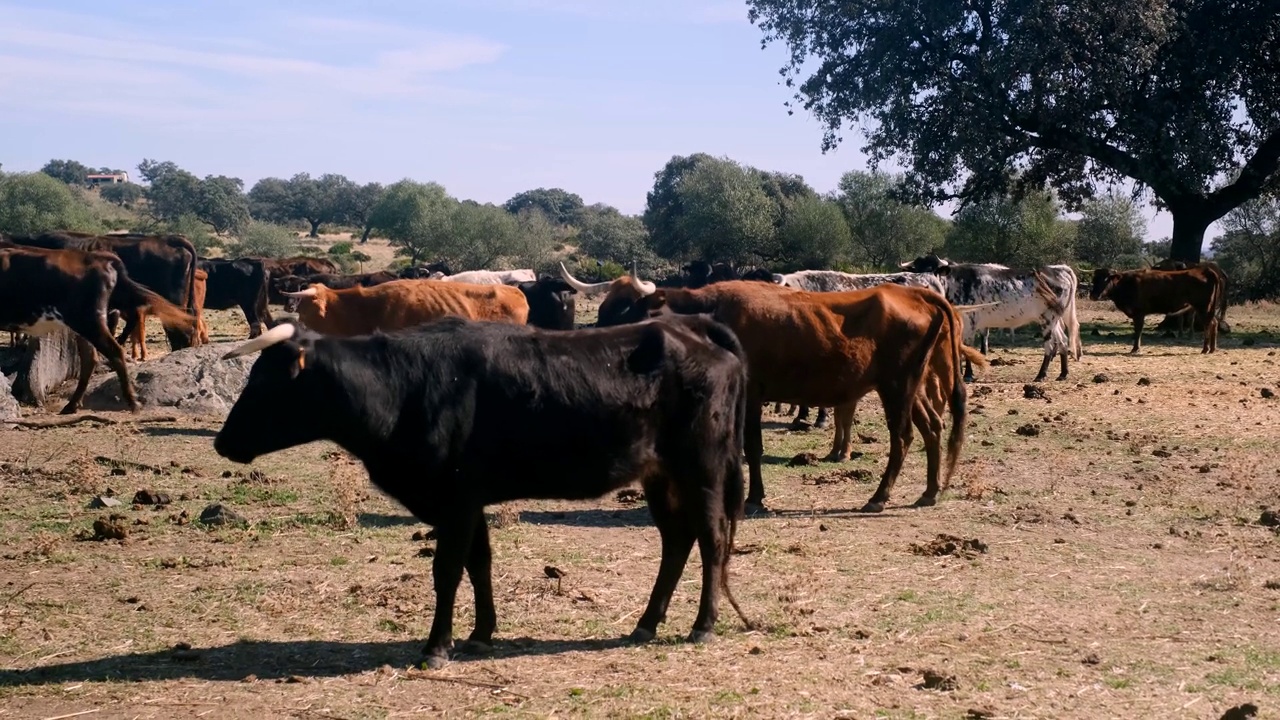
[885,230]
[217,200]
[1110,232]
[1023,232]
[70,172]
[1249,250]
[558,206]
[1180,96]
[32,203]
[415,217]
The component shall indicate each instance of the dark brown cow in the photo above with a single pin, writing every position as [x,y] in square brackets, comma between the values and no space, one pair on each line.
[829,349]
[42,289]
[302,265]
[165,264]
[1139,293]
[1171,264]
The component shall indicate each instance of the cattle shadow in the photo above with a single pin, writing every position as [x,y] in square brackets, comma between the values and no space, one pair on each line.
[276,660]
[384,520]
[179,432]
[594,517]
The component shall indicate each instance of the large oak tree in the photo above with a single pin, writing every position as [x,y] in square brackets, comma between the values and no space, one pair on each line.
[1181,96]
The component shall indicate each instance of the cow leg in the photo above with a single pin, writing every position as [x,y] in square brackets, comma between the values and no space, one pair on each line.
[87,360]
[479,569]
[897,414]
[929,423]
[843,440]
[1063,356]
[1210,333]
[677,541]
[1137,334]
[968,371]
[713,544]
[753,444]
[453,539]
[801,421]
[821,422]
[986,341]
[1044,366]
[100,338]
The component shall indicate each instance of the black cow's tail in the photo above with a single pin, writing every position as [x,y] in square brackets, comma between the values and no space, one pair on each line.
[959,400]
[189,293]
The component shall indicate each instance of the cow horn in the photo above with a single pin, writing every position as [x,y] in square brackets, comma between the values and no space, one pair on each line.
[277,334]
[646,288]
[309,292]
[971,308]
[584,288]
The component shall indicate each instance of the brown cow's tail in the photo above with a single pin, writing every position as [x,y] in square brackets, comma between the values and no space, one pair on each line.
[133,295]
[959,398]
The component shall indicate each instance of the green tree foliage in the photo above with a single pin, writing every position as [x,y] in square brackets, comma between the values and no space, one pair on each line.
[270,200]
[123,194]
[218,201]
[604,233]
[357,202]
[1110,232]
[1028,232]
[885,230]
[664,204]
[1174,94]
[814,235]
[559,206]
[328,199]
[260,239]
[32,203]
[415,217]
[70,172]
[1249,250]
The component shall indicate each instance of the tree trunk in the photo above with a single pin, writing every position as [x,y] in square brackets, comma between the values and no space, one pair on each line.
[1189,226]
[49,361]
[315,228]
[365,237]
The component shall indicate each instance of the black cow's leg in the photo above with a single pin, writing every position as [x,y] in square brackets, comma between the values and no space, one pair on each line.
[753,444]
[897,414]
[1137,334]
[480,569]
[100,338]
[968,371]
[453,547]
[1044,366]
[821,422]
[87,360]
[986,341]
[677,541]
[1063,375]
[801,421]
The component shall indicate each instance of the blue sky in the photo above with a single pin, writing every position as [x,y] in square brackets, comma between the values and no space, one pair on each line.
[487,97]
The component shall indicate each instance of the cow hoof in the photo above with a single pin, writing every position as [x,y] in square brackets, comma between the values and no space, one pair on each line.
[1040,378]
[968,378]
[476,647]
[834,458]
[820,425]
[435,661]
[1062,377]
[69,410]
[754,507]
[872,507]
[640,636]
[800,426]
[925,501]
[699,637]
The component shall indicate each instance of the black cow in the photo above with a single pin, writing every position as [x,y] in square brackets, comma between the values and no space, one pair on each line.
[454,415]
[551,303]
[301,265]
[238,283]
[418,272]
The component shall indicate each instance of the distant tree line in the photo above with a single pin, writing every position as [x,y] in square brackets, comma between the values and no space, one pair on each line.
[701,207]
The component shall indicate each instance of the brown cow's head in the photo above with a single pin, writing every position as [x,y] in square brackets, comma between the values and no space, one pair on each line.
[1104,279]
[627,299]
[309,303]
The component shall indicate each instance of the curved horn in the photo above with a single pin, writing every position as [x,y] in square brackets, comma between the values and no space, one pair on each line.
[309,292]
[277,334]
[584,288]
[646,288]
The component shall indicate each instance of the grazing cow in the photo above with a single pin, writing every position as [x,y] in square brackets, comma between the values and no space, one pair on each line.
[827,349]
[405,303]
[835,281]
[42,289]
[1170,264]
[521,413]
[238,283]
[421,272]
[1045,295]
[293,283]
[551,303]
[489,277]
[165,264]
[701,273]
[138,340]
[300,265]
[1138,293]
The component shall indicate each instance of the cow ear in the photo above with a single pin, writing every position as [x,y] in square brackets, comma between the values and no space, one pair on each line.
[943,270]
[658,300]
[647,357]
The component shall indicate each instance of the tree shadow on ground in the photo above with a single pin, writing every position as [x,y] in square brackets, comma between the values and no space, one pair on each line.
[275,660]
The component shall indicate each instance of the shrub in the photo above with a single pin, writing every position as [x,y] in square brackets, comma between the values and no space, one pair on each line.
[265,240]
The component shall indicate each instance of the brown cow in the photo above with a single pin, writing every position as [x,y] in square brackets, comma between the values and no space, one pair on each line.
[829,349]
[41,289]
[405,303]
[1139,293]
[138,340]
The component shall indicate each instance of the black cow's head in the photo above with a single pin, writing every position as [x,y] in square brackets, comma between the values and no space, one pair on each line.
[930,263]
[760,274]
[627,299]
[1104,279]
[283,404]
[551,303]
[699,272]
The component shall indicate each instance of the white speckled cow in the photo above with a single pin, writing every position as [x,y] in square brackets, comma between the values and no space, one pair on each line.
[489,277]
[1044,295]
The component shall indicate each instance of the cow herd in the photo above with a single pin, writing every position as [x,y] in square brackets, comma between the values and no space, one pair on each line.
[458,391]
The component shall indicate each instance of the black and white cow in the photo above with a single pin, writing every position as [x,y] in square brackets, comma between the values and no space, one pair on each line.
[1044,295]
[454,415]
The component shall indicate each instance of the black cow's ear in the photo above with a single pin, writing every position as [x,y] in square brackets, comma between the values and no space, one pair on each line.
[647,357]
[943,270]
[299,362]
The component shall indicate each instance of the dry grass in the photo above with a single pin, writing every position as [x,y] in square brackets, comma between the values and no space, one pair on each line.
[1125,575]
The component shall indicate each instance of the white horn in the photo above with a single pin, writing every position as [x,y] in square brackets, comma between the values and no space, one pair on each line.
[584,288]
[277,334]
[646,288]
[972,308]
[309,292]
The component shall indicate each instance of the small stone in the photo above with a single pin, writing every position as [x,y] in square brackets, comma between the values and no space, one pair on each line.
[1101,378]
[147,497]
[1091,659]
[937,681]
[1028,430]
[219,514]
[103,501]
[1270,518]
[1161,453]
[1267,393]
[1144,381]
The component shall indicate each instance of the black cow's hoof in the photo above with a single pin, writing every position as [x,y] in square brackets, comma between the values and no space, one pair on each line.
[872,507]
[435,661]
[968,378]
[834,457]
[698,637]
[476,647]
[68,410]
[640,636]
[800,426]
[1062,377]
[821,424]
[1040,378]
[753,507]
[926,501]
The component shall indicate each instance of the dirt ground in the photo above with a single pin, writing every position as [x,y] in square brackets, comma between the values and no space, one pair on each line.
[1106,557]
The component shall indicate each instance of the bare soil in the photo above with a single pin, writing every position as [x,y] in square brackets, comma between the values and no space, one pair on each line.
[1114,564]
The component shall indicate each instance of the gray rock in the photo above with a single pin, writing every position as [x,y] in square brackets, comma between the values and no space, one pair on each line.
[219,514]
[195,380]
[104,501]
[8,403]
[48,361]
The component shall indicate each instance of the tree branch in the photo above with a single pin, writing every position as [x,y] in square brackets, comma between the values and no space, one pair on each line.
[1253,177]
